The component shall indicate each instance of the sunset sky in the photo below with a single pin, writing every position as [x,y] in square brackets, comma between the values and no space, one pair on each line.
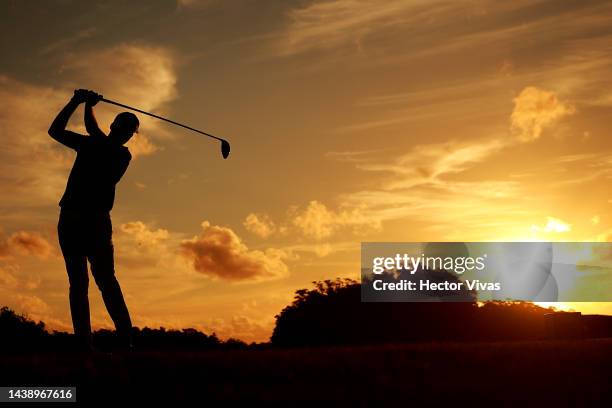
[350,121]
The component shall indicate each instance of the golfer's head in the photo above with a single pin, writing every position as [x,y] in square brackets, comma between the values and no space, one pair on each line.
[123,127]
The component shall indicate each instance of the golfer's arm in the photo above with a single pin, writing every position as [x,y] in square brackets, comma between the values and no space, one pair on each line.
[58,126]
[91,124]
[120,170]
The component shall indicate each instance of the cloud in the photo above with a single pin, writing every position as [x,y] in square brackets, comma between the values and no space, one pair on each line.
[426,164]
[32,168]
[315,221]
[322,249]
[329,24]
[352,156]
[25,243]
[426,27]
[142,233]
[69,41]
[30,243]
[4,250]
[427,102]
[425,184]
[553,225]
[260,225]
[33,306]
[241,327]
[583,69]
[535,109]
[219,253]
[7,277]
[144,248]
[318,222]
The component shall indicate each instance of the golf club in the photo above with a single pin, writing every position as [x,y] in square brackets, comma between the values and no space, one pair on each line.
[225,146]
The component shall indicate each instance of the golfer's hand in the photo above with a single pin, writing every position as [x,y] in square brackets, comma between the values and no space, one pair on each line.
[80,95]
[92,98]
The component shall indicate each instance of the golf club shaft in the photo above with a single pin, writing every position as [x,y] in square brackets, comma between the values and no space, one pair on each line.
[159,117]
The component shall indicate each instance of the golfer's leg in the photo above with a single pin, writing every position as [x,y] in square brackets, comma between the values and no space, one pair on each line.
[76,266]
[103,271]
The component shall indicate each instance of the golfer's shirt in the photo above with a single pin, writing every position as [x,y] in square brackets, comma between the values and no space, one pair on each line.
[98,167]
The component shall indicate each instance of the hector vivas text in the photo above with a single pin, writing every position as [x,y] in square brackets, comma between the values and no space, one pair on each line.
[411,264]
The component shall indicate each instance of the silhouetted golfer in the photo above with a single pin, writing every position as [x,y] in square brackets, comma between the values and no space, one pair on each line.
[84,227]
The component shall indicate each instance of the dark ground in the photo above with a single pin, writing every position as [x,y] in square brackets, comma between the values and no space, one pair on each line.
[535,373]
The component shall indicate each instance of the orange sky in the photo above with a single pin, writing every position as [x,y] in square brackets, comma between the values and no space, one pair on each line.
[349,120]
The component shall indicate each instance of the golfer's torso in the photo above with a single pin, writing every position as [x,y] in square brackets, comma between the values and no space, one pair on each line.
[91,184]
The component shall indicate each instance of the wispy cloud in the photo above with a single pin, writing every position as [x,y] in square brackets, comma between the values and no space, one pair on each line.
[329,24]
[421,186]
[33,169]
[427,163]
[67,42]
[429,28]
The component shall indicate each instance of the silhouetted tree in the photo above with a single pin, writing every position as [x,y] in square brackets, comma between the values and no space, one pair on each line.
[19,332]
[333,313]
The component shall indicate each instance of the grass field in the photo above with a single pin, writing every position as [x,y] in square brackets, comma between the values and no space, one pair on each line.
[563,373]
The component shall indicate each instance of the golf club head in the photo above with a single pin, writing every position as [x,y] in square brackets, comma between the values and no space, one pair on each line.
[225,148]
